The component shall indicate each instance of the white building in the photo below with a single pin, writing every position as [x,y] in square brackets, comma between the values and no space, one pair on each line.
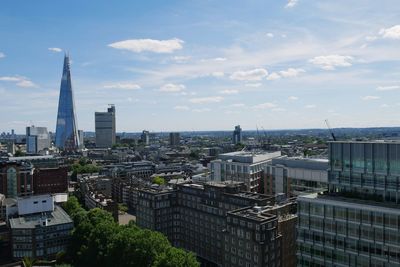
[242,166]
[105,128]
[37,139]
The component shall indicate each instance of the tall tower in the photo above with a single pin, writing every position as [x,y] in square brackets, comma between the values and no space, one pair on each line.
[66,129]
[105,127]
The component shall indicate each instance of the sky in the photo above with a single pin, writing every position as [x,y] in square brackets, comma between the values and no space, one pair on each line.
[203,65]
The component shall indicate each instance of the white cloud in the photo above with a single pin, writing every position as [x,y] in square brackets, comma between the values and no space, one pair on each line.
[237,105]
[278,109]
[181,59]
[220,59]
[253,84]
[291,72]
[273,76]
[201,110]
[310,106]
[181,108]
[391,33]
[388,88]
[371,38]
[293,98]
[229,92]
[218,74]
[125,86]
[20,81]
[270,35]
[203,100]
[172,88]
[150,45]
[250,75]
[370,97]
[266,105]
[2,55]
[291,3]
[55,49]
[330,62]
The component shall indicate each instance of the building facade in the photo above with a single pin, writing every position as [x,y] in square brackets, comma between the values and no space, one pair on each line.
[16,179]
[66,129]
[105,128]
[37,139]
[242,166]
[356,222]
[174,139]
[295,176]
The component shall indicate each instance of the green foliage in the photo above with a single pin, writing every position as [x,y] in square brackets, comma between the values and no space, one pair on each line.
[99,241]
[239,146]
[159,180]
[19,153]
[122,207]
[83,166]
[29,262]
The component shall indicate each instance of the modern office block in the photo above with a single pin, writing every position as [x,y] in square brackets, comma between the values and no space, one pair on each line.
[37,139]
[242,166]
[237,135]
[66,129]
[145,137]
[105,128]
[174,139]
[356,222]
[295,176]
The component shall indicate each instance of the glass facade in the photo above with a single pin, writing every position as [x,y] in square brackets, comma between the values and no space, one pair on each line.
[66,129]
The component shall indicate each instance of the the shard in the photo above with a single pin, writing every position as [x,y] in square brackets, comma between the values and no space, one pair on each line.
[66,130]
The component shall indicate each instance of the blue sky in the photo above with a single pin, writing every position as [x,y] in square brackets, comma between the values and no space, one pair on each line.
[203,65]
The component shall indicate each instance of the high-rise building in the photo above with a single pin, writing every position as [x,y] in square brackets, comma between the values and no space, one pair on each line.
[145,137]
[174,139]
[237,135]
[81,135]
[37,139]
[66,130]
[357,221]
[105,127]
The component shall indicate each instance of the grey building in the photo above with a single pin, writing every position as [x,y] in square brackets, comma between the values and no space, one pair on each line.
[37,139]
[105,128]
[174,139]
[203,219]
[237,135]
[145,137]
[356,222]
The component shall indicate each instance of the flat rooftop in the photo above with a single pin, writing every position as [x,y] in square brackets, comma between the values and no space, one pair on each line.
[56,217]
[249,156]
[259,214]
[380,141]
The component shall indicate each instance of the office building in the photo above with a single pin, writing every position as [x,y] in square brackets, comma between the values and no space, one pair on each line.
[16,179]
[294,176]
[81,140]
[37,139]
[237,135]
[216,221]
[174,139]
[356,222]
[105,128]
[66,129]
[145,137]
[50,180]
[242,166]
[39,229]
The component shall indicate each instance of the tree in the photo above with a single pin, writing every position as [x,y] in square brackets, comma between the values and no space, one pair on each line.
[159,180]
[174,257]
[19,153]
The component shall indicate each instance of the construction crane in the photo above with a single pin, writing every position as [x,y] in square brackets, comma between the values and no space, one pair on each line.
[330,130]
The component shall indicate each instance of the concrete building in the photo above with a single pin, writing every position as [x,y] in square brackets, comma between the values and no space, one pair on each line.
[40,229]
[295,176]
[37,139]
[237,135]
[202,219]
[145,137]
[242,166]
[356,222]
[174,139]
[105,128]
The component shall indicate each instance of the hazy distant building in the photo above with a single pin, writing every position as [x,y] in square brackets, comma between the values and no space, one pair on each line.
[145,137]
[11,147]
[174,139]
[105,127]
[80,135]
[66,128]
[237,135]
[37,139]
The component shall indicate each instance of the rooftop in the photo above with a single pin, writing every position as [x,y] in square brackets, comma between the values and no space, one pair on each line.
[56,217]
[256,213]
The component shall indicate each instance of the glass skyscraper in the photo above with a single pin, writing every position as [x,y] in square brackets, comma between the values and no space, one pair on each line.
[66,129]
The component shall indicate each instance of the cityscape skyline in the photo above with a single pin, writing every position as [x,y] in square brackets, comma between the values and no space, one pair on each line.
[181,66]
